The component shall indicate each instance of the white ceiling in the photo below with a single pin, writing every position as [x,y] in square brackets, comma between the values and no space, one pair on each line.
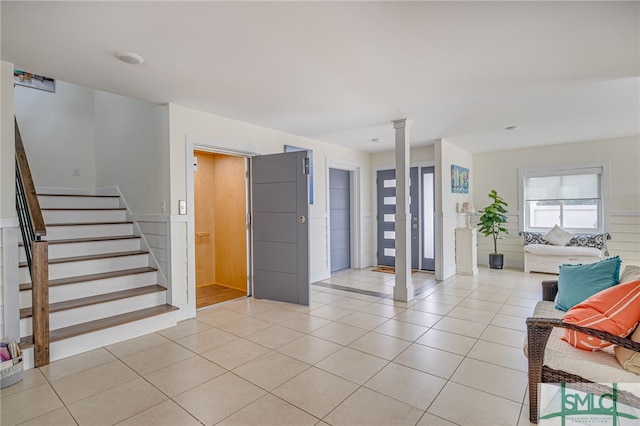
[341,71]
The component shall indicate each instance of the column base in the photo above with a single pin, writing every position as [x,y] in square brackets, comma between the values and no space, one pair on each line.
[403,294]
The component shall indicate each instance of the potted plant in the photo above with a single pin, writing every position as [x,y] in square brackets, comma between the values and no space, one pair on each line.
[491,223]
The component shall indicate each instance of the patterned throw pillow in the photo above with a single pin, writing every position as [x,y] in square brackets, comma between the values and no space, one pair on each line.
[615,310]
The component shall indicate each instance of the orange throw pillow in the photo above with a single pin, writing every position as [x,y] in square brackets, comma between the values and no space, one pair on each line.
[615,310]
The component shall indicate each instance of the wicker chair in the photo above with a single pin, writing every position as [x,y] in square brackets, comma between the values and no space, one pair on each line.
[538,331]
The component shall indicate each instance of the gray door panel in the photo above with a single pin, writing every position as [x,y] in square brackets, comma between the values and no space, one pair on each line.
[340,219]
[428,218]
[280,228]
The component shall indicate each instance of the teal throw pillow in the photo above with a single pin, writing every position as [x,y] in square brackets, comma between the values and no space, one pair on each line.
[577,283]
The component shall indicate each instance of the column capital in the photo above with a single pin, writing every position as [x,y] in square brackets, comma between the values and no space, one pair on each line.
[402,123]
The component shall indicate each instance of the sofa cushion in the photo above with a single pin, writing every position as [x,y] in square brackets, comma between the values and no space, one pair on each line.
[614,310]
[628,359]
[558,236]
[630,273]
[576,283]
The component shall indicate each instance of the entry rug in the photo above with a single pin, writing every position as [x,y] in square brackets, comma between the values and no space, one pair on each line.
[389,270]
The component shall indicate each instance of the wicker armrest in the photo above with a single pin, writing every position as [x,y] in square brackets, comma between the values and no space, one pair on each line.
[548,324]
[549,290]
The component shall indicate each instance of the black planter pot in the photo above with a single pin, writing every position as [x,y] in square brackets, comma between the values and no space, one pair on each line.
[495,261]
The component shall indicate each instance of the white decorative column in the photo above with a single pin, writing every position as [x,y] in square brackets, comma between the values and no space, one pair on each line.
[403,289]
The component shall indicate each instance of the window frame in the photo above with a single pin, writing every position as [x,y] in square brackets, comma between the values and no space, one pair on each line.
[564,170]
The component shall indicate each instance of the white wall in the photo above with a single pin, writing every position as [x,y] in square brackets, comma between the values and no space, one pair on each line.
[447,218]
[58,134]
[132,150]
[218,131]
[499,170]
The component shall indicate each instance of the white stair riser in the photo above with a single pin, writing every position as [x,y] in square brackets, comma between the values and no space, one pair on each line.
[57,251]
[88,231]
[88,267]
[88,342]
[63,293]
[69,202]
[83,216]
[95,312]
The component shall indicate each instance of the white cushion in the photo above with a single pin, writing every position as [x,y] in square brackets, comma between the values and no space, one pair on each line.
[558,236]
[545,249]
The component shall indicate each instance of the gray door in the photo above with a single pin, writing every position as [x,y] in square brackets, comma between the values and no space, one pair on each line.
[340,219]
[386,185]
[428,218]
[280,227]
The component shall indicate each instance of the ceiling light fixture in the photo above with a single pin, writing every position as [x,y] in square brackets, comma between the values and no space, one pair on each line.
[512,128]
[376,140]
[129,58]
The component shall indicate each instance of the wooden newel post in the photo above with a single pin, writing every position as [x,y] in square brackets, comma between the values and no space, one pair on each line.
[40,302]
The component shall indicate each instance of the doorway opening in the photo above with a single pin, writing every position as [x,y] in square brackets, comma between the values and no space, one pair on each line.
[220,216]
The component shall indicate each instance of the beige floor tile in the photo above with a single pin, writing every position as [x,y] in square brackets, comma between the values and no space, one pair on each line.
[327,297]
[217,315]
[77,363]
[93,381]
[524,417]
[341,334]
[309,349]
[218,398]
[271,370]
[244,326]
[352,365]
[249,306]
[495,353]
[516,311]
[504,382]
[28,404]
[460,326]
[235,354]
[184,375]
[59,417]
[433,307]
[446,341]
[489,296]
[383,310]
[444,298]
[424,319]
[30,379]
[274,336]
[350,303]
[470,407]
[363,320]
[315,391]
[153,359]
[431,420]
[380,345]
[130,399]
[407,385]
[305,323]
[509,321]
[167,413]
[331,313]
[505,336]
[206,340]
[269,410]
[481,305]
[429,360]
[138,344]
[366,407]
[401,330]
[469,314]
[521,301]
[184,328]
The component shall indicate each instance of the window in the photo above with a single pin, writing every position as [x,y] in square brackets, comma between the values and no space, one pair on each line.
[572,197]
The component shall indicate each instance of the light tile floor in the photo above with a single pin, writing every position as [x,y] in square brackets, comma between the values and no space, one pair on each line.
[451,356]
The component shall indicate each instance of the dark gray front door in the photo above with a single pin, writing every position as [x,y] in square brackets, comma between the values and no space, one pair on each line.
[280,227]
[340,219]
[386,185]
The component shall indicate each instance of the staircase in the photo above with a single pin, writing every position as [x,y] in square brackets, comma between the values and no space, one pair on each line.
[102,287]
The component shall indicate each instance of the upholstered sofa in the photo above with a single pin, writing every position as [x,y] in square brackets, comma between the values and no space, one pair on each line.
[553,360]
[542,256]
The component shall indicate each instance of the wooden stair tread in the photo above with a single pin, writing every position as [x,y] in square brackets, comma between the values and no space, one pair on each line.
[92,257]
[89,240]
[125,222]
[101,324]
[93,277]
[94,300]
